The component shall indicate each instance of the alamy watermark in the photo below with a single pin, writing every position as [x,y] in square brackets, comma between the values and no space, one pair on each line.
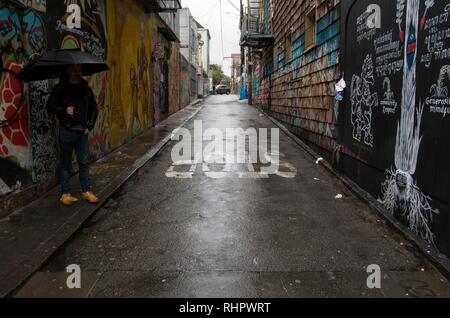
[73,20]
[74,279]
[374,279]
[235,146]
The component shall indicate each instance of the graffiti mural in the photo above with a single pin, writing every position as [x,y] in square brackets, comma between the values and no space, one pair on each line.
[407,165]
[400,189]
[160,82]
[440,90]
[44,148]
[90,38]
[439,99]
[34,35]
[388,102]
[44,145]
[131,66]
[22,34]
[14,129]
[363,102]
[38,5]
[27,133]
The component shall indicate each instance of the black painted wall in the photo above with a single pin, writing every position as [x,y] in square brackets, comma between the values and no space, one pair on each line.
[395,117]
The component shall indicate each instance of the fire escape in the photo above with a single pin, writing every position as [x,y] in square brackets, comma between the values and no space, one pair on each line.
[255,25]
[164,7]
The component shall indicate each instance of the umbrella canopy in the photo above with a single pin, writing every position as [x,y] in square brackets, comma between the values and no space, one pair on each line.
[53,64]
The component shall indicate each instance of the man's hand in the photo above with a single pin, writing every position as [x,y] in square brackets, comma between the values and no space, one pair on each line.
[70,111]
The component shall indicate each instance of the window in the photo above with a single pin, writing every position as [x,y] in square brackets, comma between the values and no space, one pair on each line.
[310,29]
[288,48]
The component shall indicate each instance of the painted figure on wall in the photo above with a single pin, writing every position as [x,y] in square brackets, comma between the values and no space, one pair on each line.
[440,90]
[131,69]
[22,34]
[363,101]
[143,81]
[388,94]
[158,54]
[134,85]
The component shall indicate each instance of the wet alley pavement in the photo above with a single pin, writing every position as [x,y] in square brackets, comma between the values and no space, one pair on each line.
[196,231]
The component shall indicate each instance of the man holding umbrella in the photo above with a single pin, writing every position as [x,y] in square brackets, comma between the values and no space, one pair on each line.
[74,103]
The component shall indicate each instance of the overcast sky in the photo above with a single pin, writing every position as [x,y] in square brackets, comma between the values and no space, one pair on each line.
[207,13]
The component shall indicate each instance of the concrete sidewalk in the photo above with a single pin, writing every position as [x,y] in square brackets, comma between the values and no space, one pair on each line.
[30,236]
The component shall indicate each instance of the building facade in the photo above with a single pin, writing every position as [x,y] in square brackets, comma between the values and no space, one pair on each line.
[204,49]
[189,48]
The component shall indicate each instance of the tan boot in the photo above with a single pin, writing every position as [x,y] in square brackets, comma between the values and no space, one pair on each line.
[90,197]
[73,199]
[67,199]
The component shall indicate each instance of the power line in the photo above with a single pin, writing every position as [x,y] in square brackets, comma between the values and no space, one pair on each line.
[234,6]
[221,28]
[213,13]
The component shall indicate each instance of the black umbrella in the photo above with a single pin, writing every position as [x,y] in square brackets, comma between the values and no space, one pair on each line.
[53,64]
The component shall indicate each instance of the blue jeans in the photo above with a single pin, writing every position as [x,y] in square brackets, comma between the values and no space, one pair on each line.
[68,141]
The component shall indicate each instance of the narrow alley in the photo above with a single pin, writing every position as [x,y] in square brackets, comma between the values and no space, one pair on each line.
[236,234]
[192,151]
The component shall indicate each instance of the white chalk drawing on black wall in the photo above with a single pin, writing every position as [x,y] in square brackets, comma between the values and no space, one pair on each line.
[439,101]
[400,13]
[363,101]
[439,90]
[388,103]
[400,190]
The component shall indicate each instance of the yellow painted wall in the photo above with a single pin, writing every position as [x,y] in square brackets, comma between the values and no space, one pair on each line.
[130,60]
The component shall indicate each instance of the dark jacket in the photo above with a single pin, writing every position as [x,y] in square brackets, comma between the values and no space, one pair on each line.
[57,105]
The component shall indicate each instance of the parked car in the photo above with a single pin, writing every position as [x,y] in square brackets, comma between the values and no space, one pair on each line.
[223,89]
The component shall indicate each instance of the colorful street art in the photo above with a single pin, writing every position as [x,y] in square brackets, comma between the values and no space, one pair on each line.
[44,145]
[131,68]
[90,38]
[37,5]
[27,132]
[125,95]
[22,35]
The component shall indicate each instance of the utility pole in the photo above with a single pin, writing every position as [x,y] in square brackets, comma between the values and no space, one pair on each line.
[242,48]
[249,60]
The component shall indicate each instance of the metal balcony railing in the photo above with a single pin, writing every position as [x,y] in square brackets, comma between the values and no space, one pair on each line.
[256,25]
